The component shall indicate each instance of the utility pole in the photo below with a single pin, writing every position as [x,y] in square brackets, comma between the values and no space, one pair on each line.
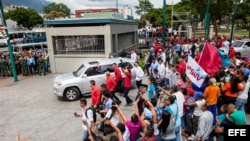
[164,23]
[207,20]
[172,15]
[13,68]
[233,20]
[117,5]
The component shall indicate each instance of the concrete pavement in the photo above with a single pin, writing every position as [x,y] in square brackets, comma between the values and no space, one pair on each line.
[30,108]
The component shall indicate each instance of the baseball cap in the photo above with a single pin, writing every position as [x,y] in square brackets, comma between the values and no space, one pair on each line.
[198,94]
[190,91]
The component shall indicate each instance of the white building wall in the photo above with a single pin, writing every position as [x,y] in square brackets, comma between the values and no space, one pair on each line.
[126,11]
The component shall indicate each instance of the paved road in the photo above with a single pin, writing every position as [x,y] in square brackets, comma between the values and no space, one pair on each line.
[28,107]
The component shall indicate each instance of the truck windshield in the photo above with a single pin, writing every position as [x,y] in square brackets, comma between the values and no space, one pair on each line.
[79,71]
[237,44]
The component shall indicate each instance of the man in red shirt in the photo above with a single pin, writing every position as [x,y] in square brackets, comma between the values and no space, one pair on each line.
[182,66]
[197,56]
[118,78]
[231,52]
[157,47]
[111,85]
[127,85]
[95,94]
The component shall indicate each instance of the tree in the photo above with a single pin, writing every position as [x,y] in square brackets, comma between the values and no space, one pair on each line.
[155,16]
[243,12]
[26,17]
[248,21]
[144,7]
[53,14]
[239,23]
[54,10]
[139,22]
[217,9]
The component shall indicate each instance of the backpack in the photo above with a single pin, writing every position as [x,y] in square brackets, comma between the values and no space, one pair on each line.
[94,113]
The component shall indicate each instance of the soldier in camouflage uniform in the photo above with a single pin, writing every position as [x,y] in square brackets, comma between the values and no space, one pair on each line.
[24,67]
[3,70]
[41,64]
[8,65]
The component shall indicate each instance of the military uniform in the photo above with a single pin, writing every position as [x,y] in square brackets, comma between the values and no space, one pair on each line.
[3,70]
[10,68]
[24,67]
[41,64]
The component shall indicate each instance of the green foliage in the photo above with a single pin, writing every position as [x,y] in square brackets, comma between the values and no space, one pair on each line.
[243,11]
[139,22]
[155,15]
[144,7]
[248,19]
[53,14]
[59,8]
[26,17]
[142,59]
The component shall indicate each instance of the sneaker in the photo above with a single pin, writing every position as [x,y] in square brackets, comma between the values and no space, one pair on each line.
[118,103]
[101,130]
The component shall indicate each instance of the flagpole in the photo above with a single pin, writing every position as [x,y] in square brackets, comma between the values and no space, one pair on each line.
[117,5]
[202,51]
[12,61]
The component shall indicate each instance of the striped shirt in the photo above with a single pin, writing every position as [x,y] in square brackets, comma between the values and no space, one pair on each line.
[205,125]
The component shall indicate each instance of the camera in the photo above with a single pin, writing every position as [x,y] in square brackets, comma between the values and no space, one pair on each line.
[123,65]
[100,107]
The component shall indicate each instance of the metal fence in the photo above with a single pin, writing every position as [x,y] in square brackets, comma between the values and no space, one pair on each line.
[79,44]
[125,40]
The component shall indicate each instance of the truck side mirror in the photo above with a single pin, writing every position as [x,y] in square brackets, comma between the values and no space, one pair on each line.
[84,75]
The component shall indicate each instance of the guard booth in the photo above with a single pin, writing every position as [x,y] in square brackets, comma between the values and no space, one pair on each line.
[71,42]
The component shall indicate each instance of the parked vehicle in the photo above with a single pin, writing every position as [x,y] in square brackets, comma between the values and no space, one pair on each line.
[71,85]
[242,47]
[28,46]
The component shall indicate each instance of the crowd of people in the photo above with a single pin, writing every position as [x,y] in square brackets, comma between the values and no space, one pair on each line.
[26,62]
[168,105]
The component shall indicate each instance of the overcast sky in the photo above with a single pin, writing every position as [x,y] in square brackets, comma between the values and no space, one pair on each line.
[84,4]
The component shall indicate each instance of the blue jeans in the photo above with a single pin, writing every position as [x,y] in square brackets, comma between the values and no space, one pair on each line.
[178,133]
[158,137]
[213,110]
[128,99]
[166,84]
[240,104]
[84,134]
[174,139]
[183,121]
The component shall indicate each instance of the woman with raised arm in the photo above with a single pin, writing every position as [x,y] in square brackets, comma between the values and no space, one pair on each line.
[117,130]
[149,136]
[134,125]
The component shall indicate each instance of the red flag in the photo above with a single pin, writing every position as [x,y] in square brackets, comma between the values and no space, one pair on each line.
[210,59]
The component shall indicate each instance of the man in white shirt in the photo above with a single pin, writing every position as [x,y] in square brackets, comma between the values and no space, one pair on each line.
[205,124]
[161,68]
[162,56]
[170,30]
[173,76]
[179,98]
[133,56]
[87,115]
[139,74]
